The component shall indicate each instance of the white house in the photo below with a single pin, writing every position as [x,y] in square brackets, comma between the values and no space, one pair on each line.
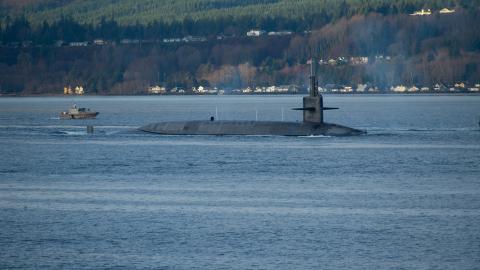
[78,44]
[157,90]
[413,89]
[255,33]
[422,12]
[399,89]
[99,42]
[280,33]
[247,90]
[79,90]
[194,39]
[359,60]
[446,11]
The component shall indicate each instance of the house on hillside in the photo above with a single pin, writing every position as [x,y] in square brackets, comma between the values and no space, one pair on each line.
[78,44]
[439,87]
[172,40]
[247,90]
[280,33]
[332,62]
[398,89]
[79,90]
[346,89]
[255,33]
[67,90]
[446,11]
[422,12]
[155,90]
[204,90]
[474,89]
[413,89]
[130,41]
[259,90]
[332,88]
[99,42]
[361,88]
[178,90]
[425,89]
[194,39]
[359,60]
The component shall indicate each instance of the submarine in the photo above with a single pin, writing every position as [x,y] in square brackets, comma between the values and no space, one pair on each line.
[312,124]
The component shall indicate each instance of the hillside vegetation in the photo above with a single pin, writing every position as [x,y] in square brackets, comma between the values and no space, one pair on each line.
[147,11]
[401,49]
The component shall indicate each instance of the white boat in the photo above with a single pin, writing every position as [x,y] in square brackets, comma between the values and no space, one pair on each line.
[78,113]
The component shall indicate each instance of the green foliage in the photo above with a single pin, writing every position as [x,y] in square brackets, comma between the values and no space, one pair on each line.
[129,12]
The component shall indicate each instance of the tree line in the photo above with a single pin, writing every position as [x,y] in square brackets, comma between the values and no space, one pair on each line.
[130,12]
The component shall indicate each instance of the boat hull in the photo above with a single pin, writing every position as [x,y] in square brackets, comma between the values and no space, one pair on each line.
[88,115]
[250,128]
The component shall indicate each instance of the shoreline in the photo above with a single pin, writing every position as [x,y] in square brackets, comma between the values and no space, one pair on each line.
[244,95]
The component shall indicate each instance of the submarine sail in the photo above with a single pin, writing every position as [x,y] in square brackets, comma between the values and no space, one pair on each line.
[313,103]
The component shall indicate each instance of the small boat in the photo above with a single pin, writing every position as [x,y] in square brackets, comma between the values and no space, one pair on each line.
[78,113]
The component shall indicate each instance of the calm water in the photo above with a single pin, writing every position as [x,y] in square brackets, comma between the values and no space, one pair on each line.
[405,196]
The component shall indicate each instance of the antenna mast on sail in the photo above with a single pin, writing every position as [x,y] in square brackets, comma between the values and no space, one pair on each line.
[313,78]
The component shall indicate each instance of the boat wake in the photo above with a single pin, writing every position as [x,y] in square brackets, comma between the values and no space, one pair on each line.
[315,136]
[70,133]
[394,131]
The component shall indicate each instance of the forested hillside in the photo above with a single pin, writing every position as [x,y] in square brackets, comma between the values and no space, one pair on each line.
[198,42]
[149,11]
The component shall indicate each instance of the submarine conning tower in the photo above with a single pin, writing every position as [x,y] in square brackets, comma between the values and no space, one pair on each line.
[313,103]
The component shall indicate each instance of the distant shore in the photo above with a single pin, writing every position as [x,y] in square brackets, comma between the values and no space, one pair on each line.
[245,95]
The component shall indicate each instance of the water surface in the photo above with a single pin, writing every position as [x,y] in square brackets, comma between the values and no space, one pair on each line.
[404,196]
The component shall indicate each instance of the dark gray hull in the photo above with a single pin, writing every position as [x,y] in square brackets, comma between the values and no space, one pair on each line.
[86,115]
[249,128]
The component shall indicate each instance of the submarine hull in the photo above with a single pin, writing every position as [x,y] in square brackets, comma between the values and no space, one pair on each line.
[250,128]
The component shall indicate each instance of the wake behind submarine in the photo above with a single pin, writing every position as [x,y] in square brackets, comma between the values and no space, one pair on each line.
[312,124]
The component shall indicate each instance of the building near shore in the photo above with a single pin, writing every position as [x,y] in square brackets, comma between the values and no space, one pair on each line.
[399,89]
[413,89]
[361,88]
[78,90]
[157,90]
[67,90]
